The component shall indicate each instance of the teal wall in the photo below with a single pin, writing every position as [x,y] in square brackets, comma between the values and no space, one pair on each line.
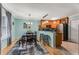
[18,30]
[18,26]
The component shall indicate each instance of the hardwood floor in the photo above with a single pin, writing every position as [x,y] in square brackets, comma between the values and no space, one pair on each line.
[67,48]
[73,48]
[53,51]
[5,50]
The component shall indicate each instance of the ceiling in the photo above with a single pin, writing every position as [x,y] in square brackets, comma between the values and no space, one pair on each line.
[38,10]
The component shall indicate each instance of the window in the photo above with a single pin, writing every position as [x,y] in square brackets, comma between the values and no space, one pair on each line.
[4,24]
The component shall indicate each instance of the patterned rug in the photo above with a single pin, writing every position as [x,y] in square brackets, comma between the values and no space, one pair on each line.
[30,49]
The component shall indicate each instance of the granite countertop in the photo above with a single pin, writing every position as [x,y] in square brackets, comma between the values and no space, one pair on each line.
[51,35]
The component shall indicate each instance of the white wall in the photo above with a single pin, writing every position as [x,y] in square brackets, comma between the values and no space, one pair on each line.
[74,28]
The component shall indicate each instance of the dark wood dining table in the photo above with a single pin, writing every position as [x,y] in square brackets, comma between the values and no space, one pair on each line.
[31,38]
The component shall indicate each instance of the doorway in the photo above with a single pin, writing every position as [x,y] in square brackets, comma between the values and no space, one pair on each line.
[65,32]
[74,35]
[65,29]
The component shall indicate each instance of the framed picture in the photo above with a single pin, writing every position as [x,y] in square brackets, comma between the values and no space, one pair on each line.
[24,25]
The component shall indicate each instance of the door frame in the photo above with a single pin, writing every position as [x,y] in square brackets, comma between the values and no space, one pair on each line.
[69,30]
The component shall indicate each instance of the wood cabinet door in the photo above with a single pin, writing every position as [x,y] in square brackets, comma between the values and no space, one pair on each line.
[58,39]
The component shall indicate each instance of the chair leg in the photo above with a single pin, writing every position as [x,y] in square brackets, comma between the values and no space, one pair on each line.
[26,45]
[19,43]
[22,44]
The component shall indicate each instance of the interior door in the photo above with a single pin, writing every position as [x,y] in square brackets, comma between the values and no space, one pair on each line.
[74,31]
